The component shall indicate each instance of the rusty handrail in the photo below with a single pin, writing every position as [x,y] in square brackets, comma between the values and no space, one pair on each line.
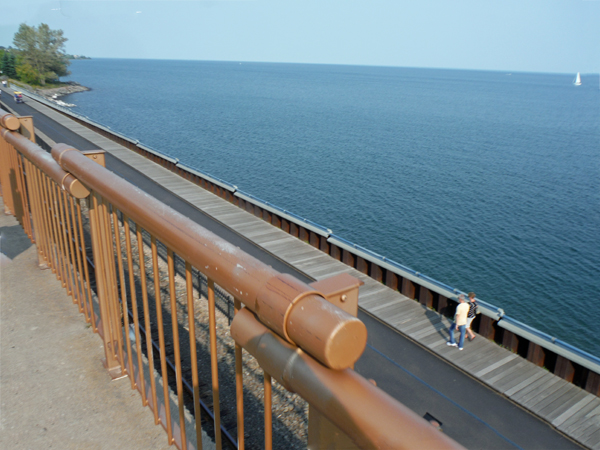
[288,306]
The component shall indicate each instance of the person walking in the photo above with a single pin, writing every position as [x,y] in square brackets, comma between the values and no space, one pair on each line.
[460,322]
[471,315]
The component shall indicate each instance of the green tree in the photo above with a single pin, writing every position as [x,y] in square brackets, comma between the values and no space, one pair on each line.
[8,64]
[43,49]
[28,74]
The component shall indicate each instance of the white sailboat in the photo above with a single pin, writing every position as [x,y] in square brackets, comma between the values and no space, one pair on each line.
[577,80]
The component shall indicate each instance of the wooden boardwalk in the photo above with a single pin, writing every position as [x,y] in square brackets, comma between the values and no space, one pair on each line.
[566,407]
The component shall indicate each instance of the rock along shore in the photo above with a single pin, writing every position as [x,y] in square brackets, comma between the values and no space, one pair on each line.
[69,87]
[52,94]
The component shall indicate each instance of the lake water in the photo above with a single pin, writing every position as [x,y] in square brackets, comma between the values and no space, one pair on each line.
[486,181]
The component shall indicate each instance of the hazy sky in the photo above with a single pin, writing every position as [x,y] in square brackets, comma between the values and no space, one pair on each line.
[511,35]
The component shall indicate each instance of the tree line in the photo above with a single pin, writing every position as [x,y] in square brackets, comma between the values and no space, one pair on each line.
[38,56]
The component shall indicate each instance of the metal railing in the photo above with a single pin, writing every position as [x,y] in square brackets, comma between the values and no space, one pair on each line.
[145,277]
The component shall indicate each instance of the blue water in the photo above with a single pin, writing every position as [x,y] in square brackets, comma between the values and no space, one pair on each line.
[486,181]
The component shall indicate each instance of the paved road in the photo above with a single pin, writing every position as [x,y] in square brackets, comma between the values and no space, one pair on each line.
[470,412]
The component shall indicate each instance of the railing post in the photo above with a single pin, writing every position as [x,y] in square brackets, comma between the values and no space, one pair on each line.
[6,168]
[8,122]
[106,279]
[103,281]
[26,129]
[342,291]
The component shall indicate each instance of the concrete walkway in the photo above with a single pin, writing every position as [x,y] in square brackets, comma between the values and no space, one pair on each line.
[54,391]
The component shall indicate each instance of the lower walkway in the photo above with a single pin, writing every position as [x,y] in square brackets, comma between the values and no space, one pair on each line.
[54,390]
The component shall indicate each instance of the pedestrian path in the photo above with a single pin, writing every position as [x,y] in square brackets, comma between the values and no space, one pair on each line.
[566,407]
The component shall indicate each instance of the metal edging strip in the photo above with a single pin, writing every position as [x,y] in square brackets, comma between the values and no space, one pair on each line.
[305,223]
[555,345]
[224,184]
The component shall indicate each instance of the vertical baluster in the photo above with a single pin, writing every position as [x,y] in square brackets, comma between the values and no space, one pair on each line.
[111,273]
[124,309]
[80,275]
[60,236]
[147,322]
[92,315]
[36,213]
[48,210]
[161,339]
[108,316]
[39,230]
[268,412]
[239,385]
[212,324]
[193,355]
[175,326]
[25,200]
[4,176]
[134,310]
[57,239]
[14,186]
[102,280]
[70,250]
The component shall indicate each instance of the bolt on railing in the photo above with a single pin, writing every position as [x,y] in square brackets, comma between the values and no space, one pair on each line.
[295,332]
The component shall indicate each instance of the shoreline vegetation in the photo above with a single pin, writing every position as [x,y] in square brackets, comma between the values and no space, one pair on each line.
[38,61]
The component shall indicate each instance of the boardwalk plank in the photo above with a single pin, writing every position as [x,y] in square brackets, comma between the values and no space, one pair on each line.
[390,309]
[433,339]
[486,358]
[572,421]
[376,299]
[521,394]
[379,300]
[556,399]
[434,328]
[547,395]
[432,331]
[521,377]
[419,326]
[547,386]
[554,410]
[585,426]
[503,371]
[592,439]
[374,296]
[496,365]
[403,320]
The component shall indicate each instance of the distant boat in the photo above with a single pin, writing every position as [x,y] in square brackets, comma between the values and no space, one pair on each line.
[577,80]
